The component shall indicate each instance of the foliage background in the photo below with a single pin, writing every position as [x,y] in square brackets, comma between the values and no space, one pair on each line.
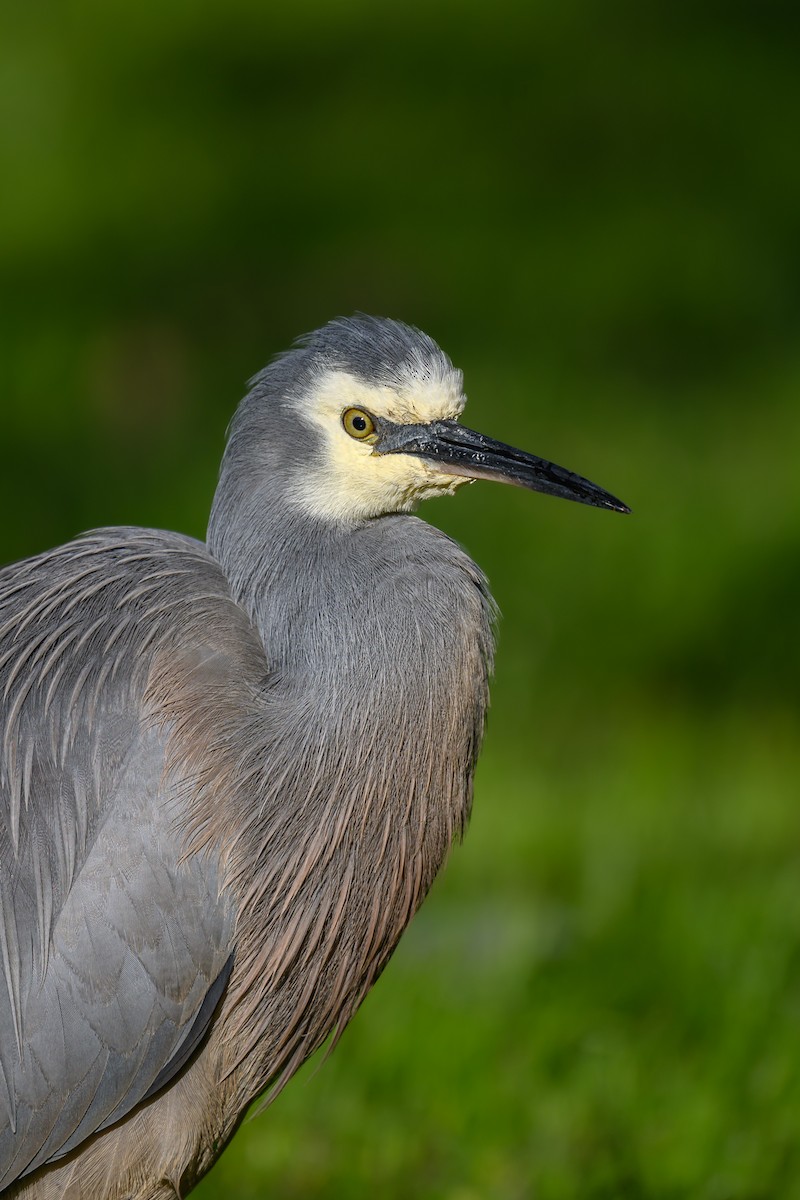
[595,208]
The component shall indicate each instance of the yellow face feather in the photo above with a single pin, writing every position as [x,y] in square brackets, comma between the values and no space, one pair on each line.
[352,482]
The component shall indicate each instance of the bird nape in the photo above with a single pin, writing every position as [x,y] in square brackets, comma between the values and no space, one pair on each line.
[230,771]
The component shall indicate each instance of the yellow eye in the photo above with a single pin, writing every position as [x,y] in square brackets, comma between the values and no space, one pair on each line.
[358,424]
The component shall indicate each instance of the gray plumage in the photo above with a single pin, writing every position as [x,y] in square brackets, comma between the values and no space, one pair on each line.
[229,774]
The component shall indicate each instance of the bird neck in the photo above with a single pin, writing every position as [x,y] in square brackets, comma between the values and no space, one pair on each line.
[379,644]
[296,579]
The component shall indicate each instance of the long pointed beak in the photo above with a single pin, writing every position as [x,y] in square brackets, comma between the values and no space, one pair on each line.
[460,451]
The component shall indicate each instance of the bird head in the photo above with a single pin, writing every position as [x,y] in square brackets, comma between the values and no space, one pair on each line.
[372,409]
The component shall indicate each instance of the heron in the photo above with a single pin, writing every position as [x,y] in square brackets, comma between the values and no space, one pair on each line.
[230,770]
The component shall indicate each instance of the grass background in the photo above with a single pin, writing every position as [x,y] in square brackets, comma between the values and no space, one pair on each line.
[595,208]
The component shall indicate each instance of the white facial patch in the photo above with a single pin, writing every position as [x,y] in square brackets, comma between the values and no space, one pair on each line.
[350,482]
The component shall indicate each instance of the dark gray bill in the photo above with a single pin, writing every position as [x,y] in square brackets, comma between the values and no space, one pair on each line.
[460,451]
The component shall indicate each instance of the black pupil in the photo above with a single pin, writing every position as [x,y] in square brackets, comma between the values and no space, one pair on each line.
[359,423]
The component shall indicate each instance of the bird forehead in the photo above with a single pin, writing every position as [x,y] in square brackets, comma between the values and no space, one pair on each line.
[415,398]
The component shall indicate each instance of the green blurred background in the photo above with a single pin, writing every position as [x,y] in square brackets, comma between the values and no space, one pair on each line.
[595,208]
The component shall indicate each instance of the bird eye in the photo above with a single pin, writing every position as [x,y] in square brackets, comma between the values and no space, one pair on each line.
[358,424]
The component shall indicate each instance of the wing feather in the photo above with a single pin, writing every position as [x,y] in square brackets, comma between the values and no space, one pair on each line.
[115,943]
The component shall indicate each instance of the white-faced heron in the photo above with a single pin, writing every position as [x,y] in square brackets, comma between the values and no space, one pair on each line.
[229,772]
